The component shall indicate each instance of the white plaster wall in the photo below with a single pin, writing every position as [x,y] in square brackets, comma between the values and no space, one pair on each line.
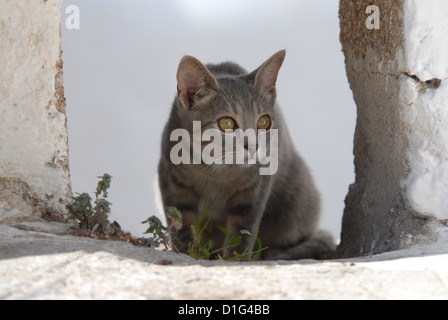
[33,135]
[426,38]
[425,109]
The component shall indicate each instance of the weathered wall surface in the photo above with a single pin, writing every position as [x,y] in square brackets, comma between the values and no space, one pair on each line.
[34,173]
[400,138]
[398,75]
[425,97]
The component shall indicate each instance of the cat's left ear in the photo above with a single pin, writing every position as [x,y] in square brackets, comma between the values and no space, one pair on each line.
[266,75]
[195,83]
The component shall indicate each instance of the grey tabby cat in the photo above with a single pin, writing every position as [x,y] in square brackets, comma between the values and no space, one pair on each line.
[284,206]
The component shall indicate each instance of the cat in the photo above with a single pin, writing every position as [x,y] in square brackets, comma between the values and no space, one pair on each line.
[284,207]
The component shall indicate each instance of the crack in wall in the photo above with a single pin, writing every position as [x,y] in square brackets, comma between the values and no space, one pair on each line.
[424,85]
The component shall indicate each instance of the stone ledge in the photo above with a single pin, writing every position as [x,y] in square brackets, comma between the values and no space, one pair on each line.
[37,265]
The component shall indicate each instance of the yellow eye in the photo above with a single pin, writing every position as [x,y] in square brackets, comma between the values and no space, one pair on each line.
[264,123]
[226,124]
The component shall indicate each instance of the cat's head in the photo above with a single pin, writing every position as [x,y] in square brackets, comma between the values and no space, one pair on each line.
[225,98]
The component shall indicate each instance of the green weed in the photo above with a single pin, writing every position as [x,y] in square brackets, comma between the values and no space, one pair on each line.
[160,233]
[199,249]
[93,218]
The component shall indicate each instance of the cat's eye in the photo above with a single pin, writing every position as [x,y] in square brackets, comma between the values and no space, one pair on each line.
[226,124]
[264,123]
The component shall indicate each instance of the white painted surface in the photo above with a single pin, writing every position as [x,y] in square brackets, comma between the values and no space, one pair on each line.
[426,35]
[427,184]
[426,54]
[33,135]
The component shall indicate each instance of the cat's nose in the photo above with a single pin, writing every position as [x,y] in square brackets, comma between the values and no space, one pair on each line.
[251,148]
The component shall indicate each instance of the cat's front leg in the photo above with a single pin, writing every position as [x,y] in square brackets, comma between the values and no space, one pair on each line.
[242,217]
[181,238]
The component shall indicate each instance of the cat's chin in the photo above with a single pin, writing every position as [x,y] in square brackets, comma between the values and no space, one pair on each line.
[244,166]
[237,169]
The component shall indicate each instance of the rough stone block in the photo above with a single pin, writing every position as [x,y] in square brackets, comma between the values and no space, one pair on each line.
[34,172]
[397,74]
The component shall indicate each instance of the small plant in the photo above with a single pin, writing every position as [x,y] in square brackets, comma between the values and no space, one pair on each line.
[198,249]
[248,254]
[93,218]
[159,231]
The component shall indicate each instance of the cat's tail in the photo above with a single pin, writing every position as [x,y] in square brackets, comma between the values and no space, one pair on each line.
[319,247]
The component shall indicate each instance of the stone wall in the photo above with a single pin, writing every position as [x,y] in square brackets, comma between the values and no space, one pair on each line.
[397,75]
[34,172]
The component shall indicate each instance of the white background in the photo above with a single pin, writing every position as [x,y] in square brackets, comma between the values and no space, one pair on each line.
[119,75]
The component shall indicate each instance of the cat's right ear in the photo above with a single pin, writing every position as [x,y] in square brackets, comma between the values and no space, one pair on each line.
[266,75]
[195,84]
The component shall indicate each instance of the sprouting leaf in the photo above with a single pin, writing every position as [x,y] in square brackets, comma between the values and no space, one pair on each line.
[238,256]
[220,257]
[155,225]
[234,241]
[103,184]
[223,230]
[102,205]
[175,217]
[192,253]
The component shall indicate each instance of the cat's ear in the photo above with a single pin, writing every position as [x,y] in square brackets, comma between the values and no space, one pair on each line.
[266,75]
[195,84]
